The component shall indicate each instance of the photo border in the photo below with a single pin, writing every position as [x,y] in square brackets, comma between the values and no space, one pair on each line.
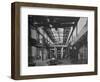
[15,39]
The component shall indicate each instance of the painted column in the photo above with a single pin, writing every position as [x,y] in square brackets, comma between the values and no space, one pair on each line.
[61,52]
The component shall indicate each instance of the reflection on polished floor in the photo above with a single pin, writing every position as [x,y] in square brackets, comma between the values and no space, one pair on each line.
[57,40]
[47,63]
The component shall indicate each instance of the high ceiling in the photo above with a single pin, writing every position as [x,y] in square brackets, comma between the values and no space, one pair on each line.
[57,28]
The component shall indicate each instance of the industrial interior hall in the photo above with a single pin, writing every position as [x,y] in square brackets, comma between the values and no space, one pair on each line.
[57,40]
